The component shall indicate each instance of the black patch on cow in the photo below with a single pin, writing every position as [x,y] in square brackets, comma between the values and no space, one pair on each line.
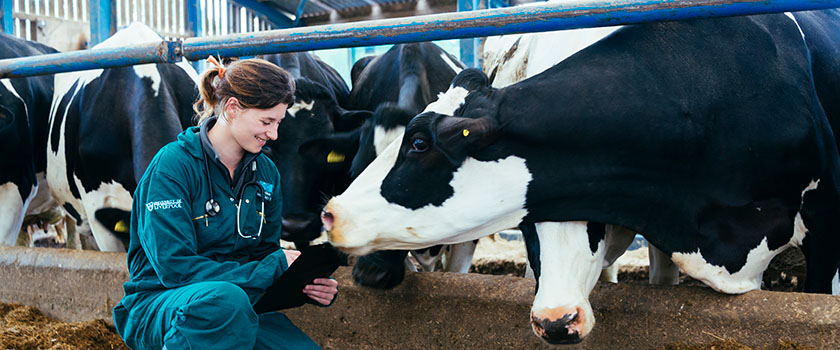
[532,248]
[596,233]
[382,270]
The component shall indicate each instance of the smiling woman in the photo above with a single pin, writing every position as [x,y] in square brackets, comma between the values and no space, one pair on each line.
[205,229]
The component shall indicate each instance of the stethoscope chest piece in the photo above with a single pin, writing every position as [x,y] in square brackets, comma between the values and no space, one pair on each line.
[211,207]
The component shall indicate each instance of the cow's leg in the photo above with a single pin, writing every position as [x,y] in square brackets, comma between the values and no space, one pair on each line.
[567,259]
[12,213]
[662,271]
[821,245]
[458,257]
[617,239]
[428,258]
[383,269]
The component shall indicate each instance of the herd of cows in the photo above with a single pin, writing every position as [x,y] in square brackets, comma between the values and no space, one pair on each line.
[713,138]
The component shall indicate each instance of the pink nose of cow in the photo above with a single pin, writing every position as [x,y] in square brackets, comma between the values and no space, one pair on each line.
[566,329]
[327,220]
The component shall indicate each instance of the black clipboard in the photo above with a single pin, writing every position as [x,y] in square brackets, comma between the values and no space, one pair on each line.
[317,261]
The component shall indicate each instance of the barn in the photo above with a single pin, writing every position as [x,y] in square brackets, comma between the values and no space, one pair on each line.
[587,125]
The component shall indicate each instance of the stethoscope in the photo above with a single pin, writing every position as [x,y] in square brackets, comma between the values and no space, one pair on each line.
[212,207]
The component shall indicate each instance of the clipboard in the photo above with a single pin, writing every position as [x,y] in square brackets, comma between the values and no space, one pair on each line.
[317,261]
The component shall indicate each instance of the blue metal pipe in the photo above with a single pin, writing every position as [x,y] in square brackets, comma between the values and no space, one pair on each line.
[101,22]
[7,16]
[520,19]
[164,51]
[535,18]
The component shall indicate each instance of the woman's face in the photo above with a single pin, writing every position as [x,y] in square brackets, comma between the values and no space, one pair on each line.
[253,127]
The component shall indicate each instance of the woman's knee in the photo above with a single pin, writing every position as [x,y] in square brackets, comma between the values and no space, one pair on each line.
[228,296]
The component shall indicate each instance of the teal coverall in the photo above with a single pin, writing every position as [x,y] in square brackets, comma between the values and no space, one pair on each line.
[194,279]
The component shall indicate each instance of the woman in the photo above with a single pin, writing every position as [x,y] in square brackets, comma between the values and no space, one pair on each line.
[205,225]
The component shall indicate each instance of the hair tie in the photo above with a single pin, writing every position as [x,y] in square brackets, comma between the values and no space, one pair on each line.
[215,62]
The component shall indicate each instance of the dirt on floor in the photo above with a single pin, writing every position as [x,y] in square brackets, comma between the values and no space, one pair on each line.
[25,328]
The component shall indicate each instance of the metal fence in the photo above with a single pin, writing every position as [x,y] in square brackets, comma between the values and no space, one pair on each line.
[167,17]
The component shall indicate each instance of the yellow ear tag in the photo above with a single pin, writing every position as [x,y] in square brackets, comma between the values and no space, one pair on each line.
[334,157]
[465,132]
[120,226]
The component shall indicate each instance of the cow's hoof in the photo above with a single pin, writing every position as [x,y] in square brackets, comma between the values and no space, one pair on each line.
[378,271]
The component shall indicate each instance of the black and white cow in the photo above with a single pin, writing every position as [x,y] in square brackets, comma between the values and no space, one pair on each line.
[396,85]
[105,128]
[318,112]
[509,59]
[24,114]
[706,135]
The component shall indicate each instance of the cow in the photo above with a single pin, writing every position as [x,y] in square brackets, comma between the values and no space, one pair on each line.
[24,113]
[508,59]
[396,86]
[318,111]
[105,126]
[706,135]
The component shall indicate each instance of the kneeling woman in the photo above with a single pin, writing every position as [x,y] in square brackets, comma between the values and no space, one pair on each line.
[205,225]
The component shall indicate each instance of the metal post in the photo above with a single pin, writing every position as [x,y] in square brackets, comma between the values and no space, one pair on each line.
[299,13]
[7,16]
[520,19]
[276,18]
[101,21]
[469,46]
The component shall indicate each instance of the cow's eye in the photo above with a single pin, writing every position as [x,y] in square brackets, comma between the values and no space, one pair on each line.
[419,145]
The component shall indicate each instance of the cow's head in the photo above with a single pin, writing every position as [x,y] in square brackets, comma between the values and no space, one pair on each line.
[314,114]
[440,183]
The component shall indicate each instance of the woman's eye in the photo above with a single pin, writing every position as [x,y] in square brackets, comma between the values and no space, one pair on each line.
[419,145]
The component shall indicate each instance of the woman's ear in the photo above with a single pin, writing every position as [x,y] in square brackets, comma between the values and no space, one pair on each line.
[232,107]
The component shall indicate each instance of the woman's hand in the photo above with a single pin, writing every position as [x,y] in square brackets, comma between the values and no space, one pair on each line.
[291,256]
[322,290]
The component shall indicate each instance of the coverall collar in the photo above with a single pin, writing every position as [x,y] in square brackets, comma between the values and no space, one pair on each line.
[207,147]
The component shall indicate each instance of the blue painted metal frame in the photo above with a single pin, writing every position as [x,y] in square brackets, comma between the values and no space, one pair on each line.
[101,21]
[519,19]
[469,47]
[299,13]
[7,15]
[272,15]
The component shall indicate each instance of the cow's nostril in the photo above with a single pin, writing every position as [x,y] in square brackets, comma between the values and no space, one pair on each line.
[327,220]
[565,330]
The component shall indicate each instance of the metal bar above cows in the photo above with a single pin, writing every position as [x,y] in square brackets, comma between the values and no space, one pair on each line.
[521,19]
[164,51]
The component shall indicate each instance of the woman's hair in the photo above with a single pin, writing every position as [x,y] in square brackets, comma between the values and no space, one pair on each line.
[256,83]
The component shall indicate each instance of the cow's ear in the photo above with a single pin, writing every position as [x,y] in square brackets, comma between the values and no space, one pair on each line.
[350,120]
[459,135]
[471,79]
[334,151]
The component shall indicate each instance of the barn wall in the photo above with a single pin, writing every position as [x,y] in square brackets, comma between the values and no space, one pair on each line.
[455,311]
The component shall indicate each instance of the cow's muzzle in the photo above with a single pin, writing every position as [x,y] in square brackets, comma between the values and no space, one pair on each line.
[568,328]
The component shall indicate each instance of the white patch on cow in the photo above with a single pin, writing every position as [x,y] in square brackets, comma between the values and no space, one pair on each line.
[458,257]
[744,280]
[149,71]
[535,52]
[297,106]
[43,200]
[480,205]
[108,195]
[449,101]
[790,15]
[382,137]
[11,216]
[799,229]
[835,284]
[568,270]
[450,63]
[135,33]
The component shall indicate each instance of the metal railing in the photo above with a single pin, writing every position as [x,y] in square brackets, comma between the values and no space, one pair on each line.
[520,19]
